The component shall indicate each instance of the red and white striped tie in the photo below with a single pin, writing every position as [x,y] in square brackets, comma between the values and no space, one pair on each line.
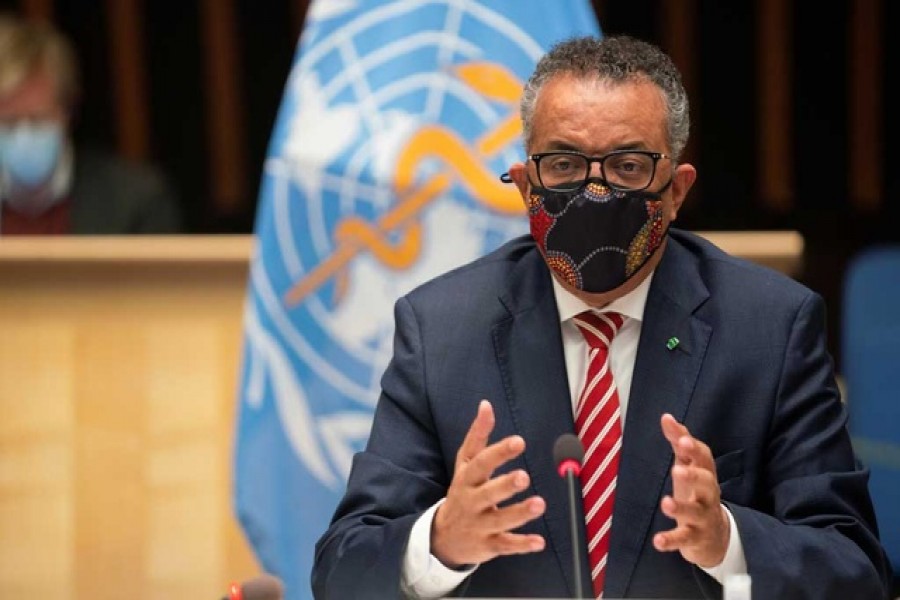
[599,425]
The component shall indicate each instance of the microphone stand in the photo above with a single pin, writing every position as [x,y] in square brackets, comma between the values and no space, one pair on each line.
[573,524]
[568,454]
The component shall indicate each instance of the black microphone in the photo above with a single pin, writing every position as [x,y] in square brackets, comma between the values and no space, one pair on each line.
[568,454]
[263,587]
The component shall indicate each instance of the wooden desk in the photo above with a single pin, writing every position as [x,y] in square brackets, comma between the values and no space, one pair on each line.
[119,365]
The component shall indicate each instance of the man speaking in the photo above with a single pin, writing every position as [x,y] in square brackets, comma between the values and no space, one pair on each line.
[699,385]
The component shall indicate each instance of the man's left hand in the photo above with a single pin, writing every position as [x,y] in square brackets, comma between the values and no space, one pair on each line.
[702,527]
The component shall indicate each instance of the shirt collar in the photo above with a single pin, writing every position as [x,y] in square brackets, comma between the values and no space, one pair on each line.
[630,305]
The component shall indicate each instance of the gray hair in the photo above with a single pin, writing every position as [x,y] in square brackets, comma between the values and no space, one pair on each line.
[617,59]
[27,47]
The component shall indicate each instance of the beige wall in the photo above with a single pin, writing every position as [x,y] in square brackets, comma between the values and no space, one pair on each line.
[118,369]
[117,401]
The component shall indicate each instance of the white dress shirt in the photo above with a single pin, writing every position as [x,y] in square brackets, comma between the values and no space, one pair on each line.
[423,575]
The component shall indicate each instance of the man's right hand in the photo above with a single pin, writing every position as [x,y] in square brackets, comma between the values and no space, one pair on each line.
[468,527]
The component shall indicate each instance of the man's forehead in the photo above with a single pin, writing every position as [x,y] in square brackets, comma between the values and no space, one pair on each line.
[33,96]
[589,115]
[598,80]
[568,91]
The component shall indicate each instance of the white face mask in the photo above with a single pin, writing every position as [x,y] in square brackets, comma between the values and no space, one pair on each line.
[30,158]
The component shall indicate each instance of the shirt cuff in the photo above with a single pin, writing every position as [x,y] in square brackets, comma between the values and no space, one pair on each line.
[425,577]
[734,562]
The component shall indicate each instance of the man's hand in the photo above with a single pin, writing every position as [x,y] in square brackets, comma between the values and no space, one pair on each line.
[469,528]
[702,528]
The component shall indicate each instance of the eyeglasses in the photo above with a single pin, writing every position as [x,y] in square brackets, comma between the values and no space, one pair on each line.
[621,169]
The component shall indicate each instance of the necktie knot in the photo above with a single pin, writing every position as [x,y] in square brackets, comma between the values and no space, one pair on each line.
[599,329]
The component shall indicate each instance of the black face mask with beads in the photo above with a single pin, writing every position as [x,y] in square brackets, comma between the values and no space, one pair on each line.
[596,238]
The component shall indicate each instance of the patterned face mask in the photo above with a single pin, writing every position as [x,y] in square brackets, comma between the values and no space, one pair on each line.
[596,238]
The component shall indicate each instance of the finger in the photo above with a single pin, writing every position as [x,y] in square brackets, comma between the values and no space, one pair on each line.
[685,513]
[681,489]
[675,539]
[673,431]
[498,489]
[692,451]
[503,544]
[694,484]
[482,465]
[514,516]
[671,428]
[700,482]
[477,436]
[687,448]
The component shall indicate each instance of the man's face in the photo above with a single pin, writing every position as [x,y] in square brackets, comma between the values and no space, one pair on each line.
[34,100]
[595,118]
[33,128]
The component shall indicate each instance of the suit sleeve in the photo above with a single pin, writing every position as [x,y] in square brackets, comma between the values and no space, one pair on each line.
[400,474]
[816,537]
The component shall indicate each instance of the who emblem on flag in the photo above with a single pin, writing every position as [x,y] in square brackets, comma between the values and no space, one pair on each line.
[382,172]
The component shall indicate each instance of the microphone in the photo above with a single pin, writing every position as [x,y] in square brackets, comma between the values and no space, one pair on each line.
[263,587]
[568,454]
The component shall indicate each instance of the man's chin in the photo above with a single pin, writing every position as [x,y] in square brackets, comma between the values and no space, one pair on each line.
[601,299]
[30,202]
[594,299]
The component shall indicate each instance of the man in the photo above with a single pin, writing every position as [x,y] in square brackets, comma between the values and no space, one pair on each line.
[699,385]
[46,185]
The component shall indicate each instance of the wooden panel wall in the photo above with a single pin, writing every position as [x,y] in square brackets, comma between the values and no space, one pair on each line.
[865,66]
[775,164]
[117,390]
[129,78]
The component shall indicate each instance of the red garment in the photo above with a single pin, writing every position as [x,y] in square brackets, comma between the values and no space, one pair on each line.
[55,221]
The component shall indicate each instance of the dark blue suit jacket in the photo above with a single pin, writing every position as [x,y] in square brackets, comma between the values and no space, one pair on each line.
[751,377]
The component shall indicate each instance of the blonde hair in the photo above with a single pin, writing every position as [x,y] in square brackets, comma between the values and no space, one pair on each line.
[27,47]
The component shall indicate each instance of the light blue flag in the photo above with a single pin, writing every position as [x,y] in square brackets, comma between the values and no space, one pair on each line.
[397,119]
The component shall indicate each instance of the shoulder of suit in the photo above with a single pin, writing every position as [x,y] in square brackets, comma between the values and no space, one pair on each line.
[96,168]
[718,266]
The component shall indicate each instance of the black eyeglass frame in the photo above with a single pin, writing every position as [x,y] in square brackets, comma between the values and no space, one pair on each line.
[655,156]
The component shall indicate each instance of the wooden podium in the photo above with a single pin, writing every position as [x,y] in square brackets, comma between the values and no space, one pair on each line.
[119,365]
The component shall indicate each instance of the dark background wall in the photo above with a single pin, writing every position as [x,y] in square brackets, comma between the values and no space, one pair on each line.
[791,107]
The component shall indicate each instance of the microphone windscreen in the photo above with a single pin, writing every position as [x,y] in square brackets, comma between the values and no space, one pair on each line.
[568,447]
[264,587]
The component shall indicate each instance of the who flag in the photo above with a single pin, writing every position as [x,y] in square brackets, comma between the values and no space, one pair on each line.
[382,172]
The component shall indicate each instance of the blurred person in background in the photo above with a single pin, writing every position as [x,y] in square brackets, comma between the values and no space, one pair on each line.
[47,185]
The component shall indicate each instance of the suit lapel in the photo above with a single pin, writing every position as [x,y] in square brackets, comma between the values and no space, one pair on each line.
[663,381]
[529,352]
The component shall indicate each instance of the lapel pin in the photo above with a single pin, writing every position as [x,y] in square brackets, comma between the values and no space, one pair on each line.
[672,343]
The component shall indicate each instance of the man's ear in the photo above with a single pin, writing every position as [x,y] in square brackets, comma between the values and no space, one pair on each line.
[519,175]
[682,180]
